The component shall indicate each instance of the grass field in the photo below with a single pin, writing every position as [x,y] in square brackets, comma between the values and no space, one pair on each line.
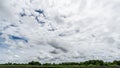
[59,66]
[86,64]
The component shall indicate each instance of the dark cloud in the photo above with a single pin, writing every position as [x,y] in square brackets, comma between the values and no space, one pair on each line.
[56,45]
[54,52]
[39,58]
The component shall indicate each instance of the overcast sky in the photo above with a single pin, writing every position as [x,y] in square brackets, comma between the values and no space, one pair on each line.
[59,30]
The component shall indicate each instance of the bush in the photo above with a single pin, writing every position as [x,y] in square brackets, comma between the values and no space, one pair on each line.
[34,63]
[116,62]
[47,64]
[93,62]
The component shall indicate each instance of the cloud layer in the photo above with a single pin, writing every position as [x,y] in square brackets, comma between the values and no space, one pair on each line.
[59,30]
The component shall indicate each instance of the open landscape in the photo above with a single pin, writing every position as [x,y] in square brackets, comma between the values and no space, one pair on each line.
[59,33]
[86,64]
[65,66]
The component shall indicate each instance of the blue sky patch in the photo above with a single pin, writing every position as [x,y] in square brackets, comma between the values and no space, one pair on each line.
[2,45]
[1,33]
[18,38]
[2,39]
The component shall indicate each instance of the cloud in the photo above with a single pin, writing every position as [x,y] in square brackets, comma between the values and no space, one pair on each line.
[57,45]
[59,30]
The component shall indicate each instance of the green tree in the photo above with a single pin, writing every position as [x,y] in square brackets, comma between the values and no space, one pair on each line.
[34,63]
[47,64]
[94,62]
[116,62]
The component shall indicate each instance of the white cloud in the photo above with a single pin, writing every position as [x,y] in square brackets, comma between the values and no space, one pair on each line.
[60,30]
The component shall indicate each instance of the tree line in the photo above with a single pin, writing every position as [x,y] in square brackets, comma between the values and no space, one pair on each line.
[86,63]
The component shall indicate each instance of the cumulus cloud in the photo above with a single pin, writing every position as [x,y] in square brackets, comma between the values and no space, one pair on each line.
[59,30]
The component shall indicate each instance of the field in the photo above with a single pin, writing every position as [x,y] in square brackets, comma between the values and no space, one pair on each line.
[86,64]
[59,66]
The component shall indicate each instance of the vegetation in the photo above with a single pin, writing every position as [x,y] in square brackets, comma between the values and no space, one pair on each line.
[90,63]
[34,63]
[86,63]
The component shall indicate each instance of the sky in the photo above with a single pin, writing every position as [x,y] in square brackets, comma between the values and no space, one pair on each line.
[59,30]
